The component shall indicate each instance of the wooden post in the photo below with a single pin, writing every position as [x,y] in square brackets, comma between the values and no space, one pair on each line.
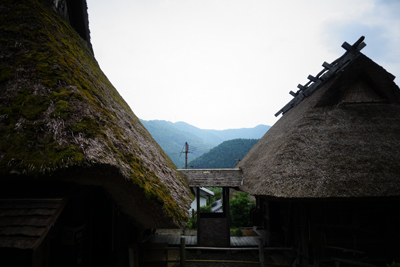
[304,235]
[225,195]
[186,152]
[261,251]
[182,251]
[199,233]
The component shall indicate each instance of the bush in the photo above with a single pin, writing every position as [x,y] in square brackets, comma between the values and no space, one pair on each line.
[192,223]
[206,209]
[236,232]
[240,207]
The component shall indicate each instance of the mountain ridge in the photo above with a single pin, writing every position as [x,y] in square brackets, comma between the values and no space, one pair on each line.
[225,155]
[171,136]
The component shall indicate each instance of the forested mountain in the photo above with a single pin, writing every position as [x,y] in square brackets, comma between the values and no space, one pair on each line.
[172,137]
[172,141]
[224,155]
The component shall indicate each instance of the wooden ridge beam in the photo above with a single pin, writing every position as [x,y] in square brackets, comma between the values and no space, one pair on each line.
[213,177]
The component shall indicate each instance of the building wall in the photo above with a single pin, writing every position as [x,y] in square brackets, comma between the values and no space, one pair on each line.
[329,229]
[203,202]
[214,232]
[90,230]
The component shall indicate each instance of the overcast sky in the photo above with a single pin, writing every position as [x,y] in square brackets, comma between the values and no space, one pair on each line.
[223,64]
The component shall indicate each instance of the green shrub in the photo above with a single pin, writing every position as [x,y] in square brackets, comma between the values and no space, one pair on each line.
[192,223]
[237,232]
[240,207]
[206,209]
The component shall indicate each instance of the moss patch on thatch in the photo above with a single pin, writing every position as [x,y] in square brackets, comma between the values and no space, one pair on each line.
[59,110]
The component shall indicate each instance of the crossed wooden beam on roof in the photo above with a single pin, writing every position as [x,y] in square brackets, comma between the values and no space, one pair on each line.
[324,75]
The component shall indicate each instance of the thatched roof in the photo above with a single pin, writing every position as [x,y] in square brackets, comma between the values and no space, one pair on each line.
[24,223]
[341,141]
[61,119]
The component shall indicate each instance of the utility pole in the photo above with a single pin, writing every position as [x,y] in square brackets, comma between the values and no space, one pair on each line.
[186,152]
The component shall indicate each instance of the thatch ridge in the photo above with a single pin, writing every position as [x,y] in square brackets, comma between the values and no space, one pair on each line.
[59,112]
[327,148]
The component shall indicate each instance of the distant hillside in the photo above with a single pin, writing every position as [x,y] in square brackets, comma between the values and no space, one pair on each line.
[224,155]
[172,140]
[246,133]
[172,137]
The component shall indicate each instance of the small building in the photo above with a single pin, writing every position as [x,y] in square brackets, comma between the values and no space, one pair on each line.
[205,198]
[217,206]
[326,176]
[82,182]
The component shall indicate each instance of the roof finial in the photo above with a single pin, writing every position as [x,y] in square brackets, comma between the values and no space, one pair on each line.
[327,72]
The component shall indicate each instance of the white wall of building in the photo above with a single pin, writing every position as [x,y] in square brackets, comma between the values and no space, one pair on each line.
[204,195]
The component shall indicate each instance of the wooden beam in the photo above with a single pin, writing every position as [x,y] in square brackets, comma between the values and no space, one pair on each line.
[301,87]
[347,46]
[213,177]
[326,65]
[182,252]
[312,78]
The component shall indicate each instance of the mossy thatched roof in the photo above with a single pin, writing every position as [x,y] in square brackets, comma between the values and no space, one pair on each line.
[61,118]
[343,141]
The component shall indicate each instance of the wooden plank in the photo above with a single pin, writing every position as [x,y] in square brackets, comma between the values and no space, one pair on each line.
[190,240]
[213,177]
[235,241]
[30,203]
[172,240]
[255,240]
[326,65]
[152,239]
[244,241]
[26,212]
[17,242]
[347,46]
[159,239]
[32,218]
[25,221]
[22,231]
[182,253]
[241,242]
[312,78]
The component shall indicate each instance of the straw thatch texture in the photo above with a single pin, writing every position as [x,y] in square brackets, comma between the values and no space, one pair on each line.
[333,145]
[61,118]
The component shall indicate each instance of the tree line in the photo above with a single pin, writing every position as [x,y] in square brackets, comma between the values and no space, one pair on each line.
[225,155]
